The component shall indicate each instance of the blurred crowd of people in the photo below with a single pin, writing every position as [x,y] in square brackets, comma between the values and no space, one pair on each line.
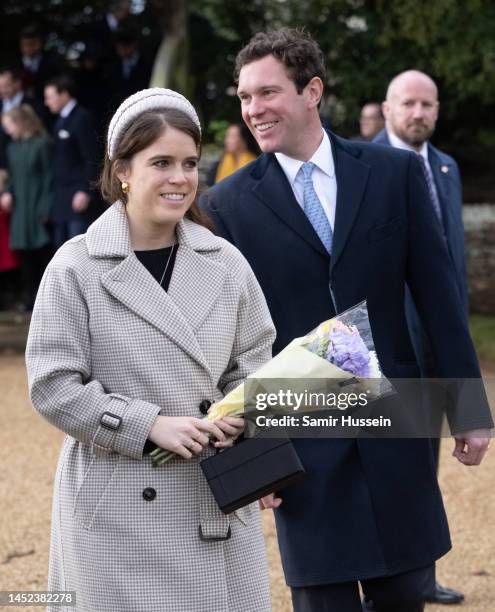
[53,119]
[51,141]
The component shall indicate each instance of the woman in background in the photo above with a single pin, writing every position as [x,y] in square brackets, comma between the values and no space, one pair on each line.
[9,261]
[240,149]
[28,195]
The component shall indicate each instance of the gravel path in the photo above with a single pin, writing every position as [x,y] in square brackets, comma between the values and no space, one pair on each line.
[29,449]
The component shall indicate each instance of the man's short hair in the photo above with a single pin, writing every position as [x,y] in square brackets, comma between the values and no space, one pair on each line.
[63,82]
[126,35]
[294,48]
[32,30]
[14,71]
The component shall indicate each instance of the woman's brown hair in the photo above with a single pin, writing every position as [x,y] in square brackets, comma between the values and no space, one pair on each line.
[141,134]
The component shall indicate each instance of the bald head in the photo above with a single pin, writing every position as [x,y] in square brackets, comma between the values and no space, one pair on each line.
[411,107]
[411,78]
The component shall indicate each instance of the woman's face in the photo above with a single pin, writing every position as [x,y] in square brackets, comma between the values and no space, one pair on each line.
[163,179]
[233,142]
[11,127]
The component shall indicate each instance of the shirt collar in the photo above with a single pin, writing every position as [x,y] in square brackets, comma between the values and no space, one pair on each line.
[397,142]
[322,158]
[15,101]
[31,63]
[112,22]
[131,61]
[68,108]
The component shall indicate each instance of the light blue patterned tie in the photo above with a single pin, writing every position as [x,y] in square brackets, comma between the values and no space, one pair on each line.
[313,208]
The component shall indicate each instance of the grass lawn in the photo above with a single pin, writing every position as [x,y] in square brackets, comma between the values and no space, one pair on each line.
[483,332]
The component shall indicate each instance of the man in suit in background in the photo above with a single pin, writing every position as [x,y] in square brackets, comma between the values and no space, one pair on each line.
[411,113]
[326,223]
[100,33]
[75,161]
[131,71]
[37,64]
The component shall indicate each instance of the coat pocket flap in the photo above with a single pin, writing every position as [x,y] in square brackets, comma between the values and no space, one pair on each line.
[380,232]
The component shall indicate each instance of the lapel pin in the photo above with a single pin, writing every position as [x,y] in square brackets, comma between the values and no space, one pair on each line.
[444,169]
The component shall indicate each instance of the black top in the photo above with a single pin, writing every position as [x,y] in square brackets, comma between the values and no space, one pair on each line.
[155,262]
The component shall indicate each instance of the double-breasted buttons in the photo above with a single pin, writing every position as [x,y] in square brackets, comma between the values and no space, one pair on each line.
[149,494]
[204,406]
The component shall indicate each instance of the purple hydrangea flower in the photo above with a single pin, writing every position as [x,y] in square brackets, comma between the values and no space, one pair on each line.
[347,351]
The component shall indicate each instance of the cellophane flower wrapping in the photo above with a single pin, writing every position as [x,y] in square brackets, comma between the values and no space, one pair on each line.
[340,348]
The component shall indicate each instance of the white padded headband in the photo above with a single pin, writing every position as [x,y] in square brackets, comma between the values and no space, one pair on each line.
[155,98]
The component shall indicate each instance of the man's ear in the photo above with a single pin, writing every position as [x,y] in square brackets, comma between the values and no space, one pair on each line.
[385,108]
[314,90]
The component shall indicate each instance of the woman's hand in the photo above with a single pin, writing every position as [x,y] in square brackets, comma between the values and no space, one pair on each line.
[232,428]
[6,202]
[185,435]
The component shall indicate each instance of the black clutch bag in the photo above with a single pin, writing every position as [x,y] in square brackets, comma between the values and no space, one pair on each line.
[251,469]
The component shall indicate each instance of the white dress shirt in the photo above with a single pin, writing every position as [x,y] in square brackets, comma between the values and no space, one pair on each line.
[324,179]
[66,111]
[14,102]
[112,22]
[31,63]
[395,141]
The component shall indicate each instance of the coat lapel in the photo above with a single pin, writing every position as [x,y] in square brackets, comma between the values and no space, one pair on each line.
[273,189]
[179,312]
[352,178]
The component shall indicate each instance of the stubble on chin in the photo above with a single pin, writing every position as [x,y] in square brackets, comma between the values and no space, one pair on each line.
[416,137]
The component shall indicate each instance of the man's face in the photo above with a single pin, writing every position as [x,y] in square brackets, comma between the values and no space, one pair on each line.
[371,121]
[9,86]
[30,47]
[125,50]
[54,99]
[274,112]
[411,111]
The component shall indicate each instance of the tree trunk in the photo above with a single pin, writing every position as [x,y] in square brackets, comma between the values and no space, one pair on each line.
[171,66]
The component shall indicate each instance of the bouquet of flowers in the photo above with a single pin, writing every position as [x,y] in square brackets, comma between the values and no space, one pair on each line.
[341,348]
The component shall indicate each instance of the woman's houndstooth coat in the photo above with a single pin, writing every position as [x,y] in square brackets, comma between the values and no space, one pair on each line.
[109,348]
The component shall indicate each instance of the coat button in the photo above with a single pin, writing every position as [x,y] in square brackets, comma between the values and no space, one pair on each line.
[149,494]
[204,406]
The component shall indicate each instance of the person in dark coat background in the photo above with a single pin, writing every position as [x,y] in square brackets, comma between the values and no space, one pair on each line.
[100,33]
[411,112]
[29,195]
[37,65]
[12,95]
[326,223]
[131,72]
[75,161]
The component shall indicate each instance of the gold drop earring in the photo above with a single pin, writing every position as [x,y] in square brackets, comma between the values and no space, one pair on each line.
[125,187]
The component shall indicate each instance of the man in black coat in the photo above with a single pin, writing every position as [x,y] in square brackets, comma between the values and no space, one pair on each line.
[411,112]
[131,71]
[37,65]
[75,161]
[326,223]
